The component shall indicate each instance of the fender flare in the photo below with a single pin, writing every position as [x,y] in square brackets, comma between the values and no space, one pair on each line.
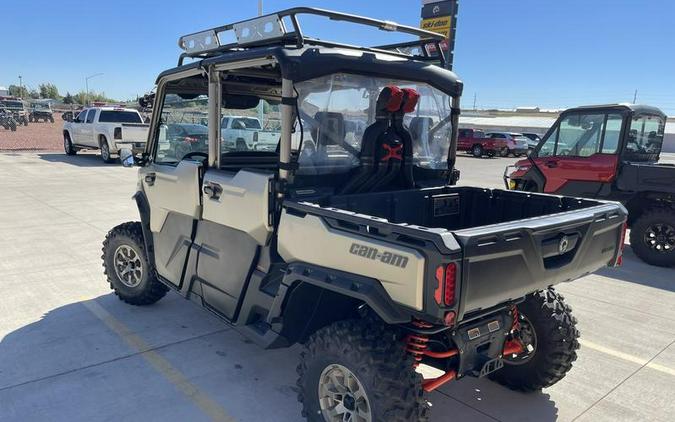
[144,212]
[367,290]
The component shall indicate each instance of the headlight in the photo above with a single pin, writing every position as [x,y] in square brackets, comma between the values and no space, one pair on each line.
[512,184]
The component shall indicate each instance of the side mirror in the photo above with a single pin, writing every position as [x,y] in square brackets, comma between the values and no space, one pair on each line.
[126,157]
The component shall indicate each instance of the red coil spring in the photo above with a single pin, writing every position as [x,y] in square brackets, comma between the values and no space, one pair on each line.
[416,344]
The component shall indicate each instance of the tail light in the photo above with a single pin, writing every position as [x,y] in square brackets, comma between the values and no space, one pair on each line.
[255,137]
[117,133]
[190,139]
[446,276]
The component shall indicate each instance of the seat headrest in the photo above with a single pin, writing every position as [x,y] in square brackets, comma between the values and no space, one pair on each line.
[410,99]
[330,128]
[390,99]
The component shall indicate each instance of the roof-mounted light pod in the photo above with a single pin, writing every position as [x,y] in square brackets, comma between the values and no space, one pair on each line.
[264,28]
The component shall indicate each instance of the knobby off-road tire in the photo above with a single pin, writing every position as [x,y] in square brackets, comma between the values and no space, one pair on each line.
[376,356]
[555,348]
[651,237]
[123,253]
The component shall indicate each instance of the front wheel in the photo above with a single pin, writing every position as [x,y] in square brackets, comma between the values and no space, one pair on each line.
[550,337]
[358,370]
[652,237]
[68,145]
[477,151]
[127,267]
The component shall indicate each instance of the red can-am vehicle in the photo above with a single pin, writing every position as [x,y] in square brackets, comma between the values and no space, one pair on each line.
[609,152]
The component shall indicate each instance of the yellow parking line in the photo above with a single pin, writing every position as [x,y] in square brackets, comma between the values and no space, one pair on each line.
[630,358]
[214,410]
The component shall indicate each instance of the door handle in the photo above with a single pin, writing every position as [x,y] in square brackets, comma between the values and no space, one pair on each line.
[150,179]
[551,164]
[212,190]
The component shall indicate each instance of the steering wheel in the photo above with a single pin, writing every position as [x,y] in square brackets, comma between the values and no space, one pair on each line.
[195,154]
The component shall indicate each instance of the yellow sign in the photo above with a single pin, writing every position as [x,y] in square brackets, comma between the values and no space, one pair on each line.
[440,25]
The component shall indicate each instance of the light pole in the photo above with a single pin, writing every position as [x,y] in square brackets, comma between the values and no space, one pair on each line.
[86,83]
[20,86]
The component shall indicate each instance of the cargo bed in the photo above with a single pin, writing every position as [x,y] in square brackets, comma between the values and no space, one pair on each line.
[511,243]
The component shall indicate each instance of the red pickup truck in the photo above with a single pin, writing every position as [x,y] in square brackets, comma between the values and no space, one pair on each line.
[474,142]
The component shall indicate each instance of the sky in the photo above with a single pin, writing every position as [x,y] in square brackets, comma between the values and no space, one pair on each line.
[509,53]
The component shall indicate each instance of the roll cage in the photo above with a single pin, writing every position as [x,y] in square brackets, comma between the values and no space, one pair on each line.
[268,68]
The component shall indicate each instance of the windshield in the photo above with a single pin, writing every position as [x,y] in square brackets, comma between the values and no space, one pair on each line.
[112,116]
[13,104]
[337,110]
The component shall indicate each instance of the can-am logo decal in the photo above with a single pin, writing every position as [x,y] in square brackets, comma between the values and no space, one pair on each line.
[385,257]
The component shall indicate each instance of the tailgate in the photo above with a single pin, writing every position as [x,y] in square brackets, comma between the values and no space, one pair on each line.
[135,132]
[507,261]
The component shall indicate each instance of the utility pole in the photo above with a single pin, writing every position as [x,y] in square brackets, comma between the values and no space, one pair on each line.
[260,7]
[20,86]
[474,101]
[635,96]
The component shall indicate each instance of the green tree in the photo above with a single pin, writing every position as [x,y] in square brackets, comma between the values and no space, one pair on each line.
[18,91]
[68,99]
[49,90]
[82,97]
[34,94]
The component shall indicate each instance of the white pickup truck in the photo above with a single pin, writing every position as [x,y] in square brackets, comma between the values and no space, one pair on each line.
[105,128]
[243,133]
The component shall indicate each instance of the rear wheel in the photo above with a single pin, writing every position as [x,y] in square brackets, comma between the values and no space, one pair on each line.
[105,151]
[652,237]
[548,332]
[359,371]
[477,151]
[241,145]
[127,267]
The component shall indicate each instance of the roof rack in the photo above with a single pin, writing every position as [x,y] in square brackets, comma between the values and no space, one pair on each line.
[271,30]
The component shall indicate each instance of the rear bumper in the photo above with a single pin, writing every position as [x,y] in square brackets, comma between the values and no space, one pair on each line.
[135,147]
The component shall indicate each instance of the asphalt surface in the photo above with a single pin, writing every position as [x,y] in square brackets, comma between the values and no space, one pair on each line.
[69,350]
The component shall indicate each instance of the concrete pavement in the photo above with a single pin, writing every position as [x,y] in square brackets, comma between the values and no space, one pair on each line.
[69,350]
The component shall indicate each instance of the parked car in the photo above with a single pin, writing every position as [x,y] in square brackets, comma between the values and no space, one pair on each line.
[369,258]
[244,133]
[476,143]
[184,138]
[533,140]
[587,153]
[516,143]
[104,128]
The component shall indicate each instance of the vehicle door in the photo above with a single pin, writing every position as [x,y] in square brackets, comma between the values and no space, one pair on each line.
[76,126]
[236,223]
[87,129]
[579,156]
[172,180]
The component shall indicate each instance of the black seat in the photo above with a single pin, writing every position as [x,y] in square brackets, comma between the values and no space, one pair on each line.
[389,101]
[395,156]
